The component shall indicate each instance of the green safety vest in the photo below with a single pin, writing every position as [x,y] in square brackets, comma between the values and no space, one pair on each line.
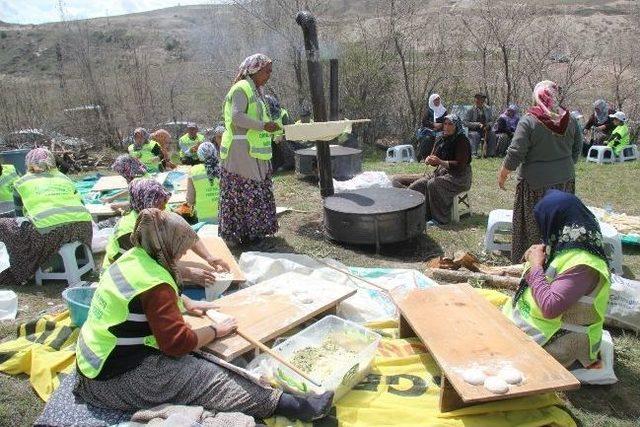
[528,316]
[280,123]
[124,226]
[145,155]
[7,179]
[186,142]
[207,194]
[259,140]
[132,274]
[50,199]
[623,141]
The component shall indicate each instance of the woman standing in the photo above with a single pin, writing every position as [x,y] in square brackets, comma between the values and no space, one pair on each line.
[247,204]
[544,149]
[563,295]
[203,185]
[54,215]
[134,350]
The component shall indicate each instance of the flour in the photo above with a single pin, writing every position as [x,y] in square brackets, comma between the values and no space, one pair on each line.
[496,385]
[510,375]
[474,376]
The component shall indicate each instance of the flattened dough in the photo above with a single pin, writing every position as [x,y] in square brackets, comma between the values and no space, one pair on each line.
[474,376]
[510,375]
[496,385]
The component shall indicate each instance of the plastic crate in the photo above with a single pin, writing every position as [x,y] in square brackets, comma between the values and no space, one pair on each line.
[343,376]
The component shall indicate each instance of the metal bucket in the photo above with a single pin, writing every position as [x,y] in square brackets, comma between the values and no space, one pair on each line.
[16,158]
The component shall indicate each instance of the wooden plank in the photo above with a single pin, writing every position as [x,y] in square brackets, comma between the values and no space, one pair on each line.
[100,209]
[266,316]
[217,247]
[463,330]
[112,182]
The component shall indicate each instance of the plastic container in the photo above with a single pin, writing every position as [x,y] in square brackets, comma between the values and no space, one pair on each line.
[8,305]
[78,300]
[344,373]
[16,158]
[196,293]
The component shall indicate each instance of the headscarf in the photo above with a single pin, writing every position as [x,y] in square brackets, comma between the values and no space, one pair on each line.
[251,65]
[445,147]
[439,110]
[147,193]
[145,135]
[274,106]
[208,154]
[547,109]
[601,110]
[129,167]
[162,137]
[219,130]
[565,223]
[512,122]
[165,236]
[40,160]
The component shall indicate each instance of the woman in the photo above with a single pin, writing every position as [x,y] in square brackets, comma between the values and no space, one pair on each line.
[564,294]
[620,135]
[133,351]
[544,149]
[432,124]
[452,159]
[247,204]
[129,168]
[600,125]
[8,176]
[203,185]
[146,150]
[163,138]
[54,215]
[504,128]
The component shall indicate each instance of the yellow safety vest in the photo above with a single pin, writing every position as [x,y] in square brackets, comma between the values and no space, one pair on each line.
[145,155]
[7,179]
[207,194]
[618,144]
[50,199]
[124,226]
[279,121]
[132,274]
[259,140]
[187,143]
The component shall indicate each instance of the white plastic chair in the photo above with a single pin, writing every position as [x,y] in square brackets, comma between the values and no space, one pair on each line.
[73,265]
[401,153]
[460,206]
[601,154]
[500,222]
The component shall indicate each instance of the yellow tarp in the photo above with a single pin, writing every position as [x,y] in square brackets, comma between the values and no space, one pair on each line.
[44,348]
[402,390]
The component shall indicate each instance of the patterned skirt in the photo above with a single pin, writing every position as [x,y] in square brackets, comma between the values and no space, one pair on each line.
[247,208]
[525,228]
[29,249]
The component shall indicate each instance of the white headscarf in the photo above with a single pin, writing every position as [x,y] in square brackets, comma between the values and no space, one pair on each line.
[439,110]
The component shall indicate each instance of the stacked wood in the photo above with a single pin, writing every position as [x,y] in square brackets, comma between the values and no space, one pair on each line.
[453,276]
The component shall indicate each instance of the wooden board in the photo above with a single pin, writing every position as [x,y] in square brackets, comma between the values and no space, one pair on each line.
[267,316]
[113,182]
[462,329]
[217,247]
[100,209]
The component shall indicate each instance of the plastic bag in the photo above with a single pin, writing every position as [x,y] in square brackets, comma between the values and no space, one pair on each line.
[604,374]
[624,304]
[364,180]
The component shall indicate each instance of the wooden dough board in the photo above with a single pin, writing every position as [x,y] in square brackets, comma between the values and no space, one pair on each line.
[460,328]
[112,182]
[217,247]
[266,317]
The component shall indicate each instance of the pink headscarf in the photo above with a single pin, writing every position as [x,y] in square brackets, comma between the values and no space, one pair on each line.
[547,109]
[251,65]
[40,160]
[129,167]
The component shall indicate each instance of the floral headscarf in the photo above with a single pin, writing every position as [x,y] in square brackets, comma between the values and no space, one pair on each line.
[147,193]
[129,167]
[40,160]
[547,109]
[251,65]
[208,154]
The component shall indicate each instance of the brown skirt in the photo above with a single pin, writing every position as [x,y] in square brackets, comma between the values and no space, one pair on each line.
[525,227]
[29,249]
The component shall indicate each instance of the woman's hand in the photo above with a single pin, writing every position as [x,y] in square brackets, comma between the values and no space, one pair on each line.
[196,275]
[226,326]
[602,128]
[433,160]
[198,307]
[535,255]
[502,177]
[218,264]
[271,127]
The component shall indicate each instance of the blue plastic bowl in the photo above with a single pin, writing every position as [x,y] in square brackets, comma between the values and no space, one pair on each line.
[78,300]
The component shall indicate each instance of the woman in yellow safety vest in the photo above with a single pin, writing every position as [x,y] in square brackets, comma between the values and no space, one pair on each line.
[8,176]
[247,205]
[203,185]
[564,292]
[135,349]
[53,216]
[129,168]
[146,150]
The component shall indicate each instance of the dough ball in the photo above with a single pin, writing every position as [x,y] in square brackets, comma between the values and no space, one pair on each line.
[496,385]
[510,375]
[474,376]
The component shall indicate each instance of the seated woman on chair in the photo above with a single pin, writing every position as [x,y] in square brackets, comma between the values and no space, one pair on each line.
[563,296]
[452,160]
[134,350]
[53,216]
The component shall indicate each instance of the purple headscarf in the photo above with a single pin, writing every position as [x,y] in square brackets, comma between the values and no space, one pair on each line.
[40,160]
[129,167]
[147,193]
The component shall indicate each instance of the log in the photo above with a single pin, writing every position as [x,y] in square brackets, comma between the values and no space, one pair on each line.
[502,282]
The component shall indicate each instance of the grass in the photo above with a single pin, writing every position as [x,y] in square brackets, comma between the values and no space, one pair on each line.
[301,232]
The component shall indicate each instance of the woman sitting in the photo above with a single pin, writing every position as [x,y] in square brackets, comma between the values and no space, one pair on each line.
[504,128]
[54,214]
[146,150]
[452,159]
[163,138]
[129,168]
[8,176]
[203,185]
[599,124]
[133,351]
[620,135]
[563,295]
[432,124]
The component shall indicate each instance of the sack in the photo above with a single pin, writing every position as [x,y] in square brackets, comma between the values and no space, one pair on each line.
[624,304]
[603,374]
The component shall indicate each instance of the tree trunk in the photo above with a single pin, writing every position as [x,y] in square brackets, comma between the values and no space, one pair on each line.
[507,77]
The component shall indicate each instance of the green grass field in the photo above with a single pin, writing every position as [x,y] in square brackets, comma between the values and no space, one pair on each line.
[301,232]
